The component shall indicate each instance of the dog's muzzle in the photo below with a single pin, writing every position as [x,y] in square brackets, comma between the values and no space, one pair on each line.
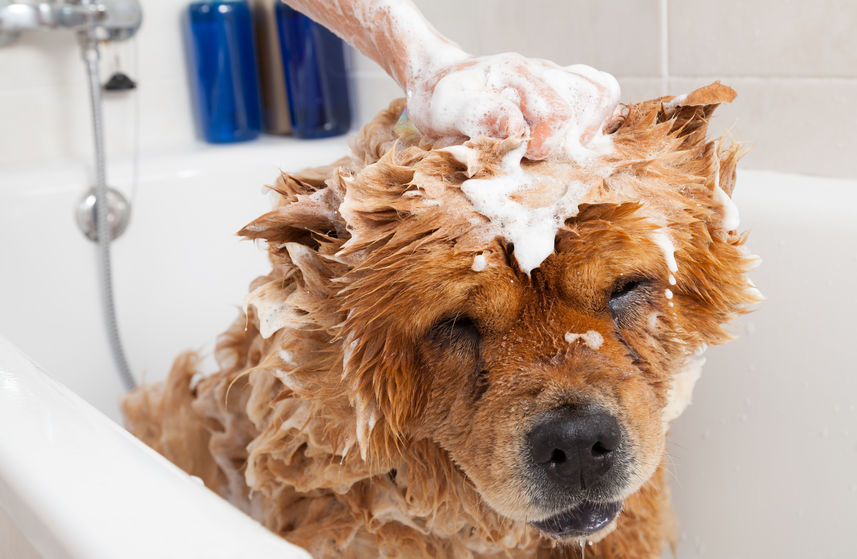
[582,520]
[575,464]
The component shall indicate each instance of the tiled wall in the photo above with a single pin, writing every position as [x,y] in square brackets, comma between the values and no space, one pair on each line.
[793,63]
[44,103]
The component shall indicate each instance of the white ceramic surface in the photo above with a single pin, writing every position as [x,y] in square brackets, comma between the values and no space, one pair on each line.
[763,463]
[180,272]
[78,486]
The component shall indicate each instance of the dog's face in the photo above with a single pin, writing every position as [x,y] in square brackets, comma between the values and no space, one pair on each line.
[550,391]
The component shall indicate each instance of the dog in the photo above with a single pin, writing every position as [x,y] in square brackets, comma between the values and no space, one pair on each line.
[401,386]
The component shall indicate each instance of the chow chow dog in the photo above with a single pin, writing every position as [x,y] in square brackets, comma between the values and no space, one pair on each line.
[400,386]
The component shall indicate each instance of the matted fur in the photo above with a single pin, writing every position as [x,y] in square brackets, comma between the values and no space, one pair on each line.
[325,422]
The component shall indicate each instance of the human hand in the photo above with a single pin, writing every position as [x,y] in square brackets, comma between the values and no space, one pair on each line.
[561,111]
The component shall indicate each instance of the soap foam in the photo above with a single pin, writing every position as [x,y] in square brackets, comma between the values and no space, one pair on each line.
[662,239]
[462,100]
[731,217]
[530,229]
[591,338]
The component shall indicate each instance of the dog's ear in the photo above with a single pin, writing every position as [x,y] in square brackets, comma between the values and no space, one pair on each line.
[686,116]
[689,116]
[690,113]
[379,370]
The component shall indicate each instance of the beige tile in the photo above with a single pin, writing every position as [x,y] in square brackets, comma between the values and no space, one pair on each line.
[160,41]
[612,35]
[803,126]
[565,32]
[54,122]
[458,20]
[635,90]
[372,92]
[167,115]
[44,123]
[53,58]
[763,38]
[358,64]
[41,59]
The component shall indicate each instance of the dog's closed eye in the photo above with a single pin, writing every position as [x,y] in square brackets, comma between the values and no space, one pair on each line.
[457,333]
[456,341]
[627,298]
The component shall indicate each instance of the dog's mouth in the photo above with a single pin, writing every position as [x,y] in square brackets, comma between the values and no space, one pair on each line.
[582,520]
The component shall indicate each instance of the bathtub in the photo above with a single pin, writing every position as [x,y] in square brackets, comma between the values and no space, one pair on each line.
[763,464]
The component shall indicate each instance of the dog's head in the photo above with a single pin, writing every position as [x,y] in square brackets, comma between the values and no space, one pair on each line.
[550,388]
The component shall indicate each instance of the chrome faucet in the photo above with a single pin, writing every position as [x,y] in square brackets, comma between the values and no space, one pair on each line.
[114,19]
[93,21]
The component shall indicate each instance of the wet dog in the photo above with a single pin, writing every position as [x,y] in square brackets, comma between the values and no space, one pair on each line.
[401,386]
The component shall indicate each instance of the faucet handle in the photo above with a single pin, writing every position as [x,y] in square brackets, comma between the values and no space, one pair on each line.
[119,19]
[73,13]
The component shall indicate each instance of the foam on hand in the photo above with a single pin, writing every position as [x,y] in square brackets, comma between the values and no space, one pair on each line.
[463,101]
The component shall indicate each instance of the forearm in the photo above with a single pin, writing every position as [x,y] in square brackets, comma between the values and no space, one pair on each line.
[393,33]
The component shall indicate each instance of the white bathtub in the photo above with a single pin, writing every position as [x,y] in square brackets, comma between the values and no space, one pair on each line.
[764,463]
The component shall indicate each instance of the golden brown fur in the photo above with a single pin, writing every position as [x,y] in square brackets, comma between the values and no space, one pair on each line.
[341,422]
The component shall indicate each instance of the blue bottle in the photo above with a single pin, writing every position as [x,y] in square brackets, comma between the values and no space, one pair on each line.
[316,80]
[223,66]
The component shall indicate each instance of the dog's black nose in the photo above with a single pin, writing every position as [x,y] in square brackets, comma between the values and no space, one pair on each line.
[575,447]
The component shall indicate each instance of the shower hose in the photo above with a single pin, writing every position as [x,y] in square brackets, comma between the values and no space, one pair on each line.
[89,51]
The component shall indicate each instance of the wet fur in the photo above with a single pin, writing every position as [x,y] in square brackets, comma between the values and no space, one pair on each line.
[355,427]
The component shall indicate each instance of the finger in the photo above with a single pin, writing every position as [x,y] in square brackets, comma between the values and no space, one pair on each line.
[504,119]
[541,134]
[483,114]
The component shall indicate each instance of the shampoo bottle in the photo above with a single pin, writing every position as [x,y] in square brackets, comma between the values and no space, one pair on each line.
[316,80]
[272,81]
[223,68]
